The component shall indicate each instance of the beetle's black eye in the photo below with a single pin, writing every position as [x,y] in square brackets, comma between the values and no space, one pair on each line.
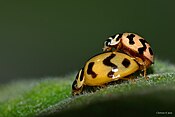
[74,85]
[107,42]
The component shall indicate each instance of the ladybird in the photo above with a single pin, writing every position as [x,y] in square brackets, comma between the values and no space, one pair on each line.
[104,68]
[133,45]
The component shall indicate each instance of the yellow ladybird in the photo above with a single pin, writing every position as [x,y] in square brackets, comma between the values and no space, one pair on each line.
[104,68]
[133,45]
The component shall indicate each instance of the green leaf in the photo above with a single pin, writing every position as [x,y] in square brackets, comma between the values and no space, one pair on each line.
[52,96]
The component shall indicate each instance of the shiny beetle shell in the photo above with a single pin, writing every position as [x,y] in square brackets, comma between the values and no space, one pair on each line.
[108,67]
[104,68]
[133,45]
[138,45]
[131,41]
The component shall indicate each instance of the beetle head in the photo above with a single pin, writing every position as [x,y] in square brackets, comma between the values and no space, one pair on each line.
[112,42]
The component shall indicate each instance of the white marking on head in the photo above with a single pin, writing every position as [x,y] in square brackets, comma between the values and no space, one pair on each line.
[111,42]
[114,41]
[107,43]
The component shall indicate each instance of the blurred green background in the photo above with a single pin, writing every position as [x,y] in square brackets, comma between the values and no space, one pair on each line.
[55,38]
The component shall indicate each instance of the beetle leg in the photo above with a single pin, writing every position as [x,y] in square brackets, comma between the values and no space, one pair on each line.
[143,66]
[144,72]
[77,92]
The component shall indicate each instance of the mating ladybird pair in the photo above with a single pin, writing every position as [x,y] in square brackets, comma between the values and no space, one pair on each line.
[123,55]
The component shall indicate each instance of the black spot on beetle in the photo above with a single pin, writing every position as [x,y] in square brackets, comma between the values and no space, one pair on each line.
[126,63]
[90,71]
[107,62]
[142,49]
[150,51]
[131,37]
